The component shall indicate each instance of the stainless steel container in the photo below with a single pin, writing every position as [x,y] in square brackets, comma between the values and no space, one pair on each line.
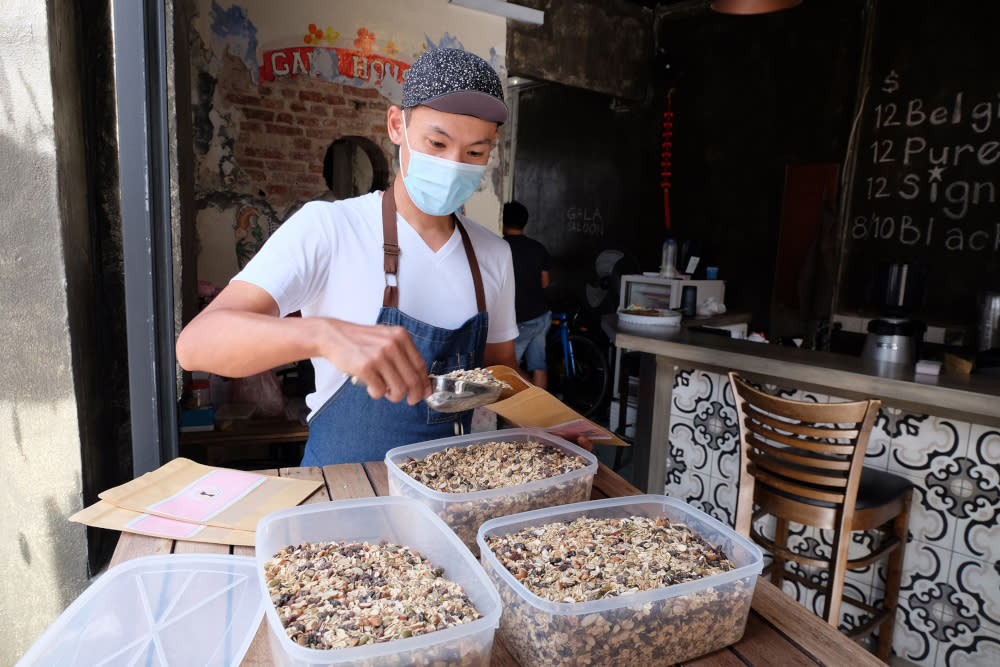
[893,340]
[989,322]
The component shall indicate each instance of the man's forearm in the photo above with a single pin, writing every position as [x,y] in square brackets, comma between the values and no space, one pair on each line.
[236,343]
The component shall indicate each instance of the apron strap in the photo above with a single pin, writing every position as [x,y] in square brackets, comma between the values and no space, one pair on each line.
[390,250]
[477,277]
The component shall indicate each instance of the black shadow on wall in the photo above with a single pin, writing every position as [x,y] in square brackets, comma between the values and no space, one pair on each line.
[752,95]
[586,169]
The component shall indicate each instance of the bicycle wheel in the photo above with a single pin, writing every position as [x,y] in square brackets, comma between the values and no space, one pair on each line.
[585,386]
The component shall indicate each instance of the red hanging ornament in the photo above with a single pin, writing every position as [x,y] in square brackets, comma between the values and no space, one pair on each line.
[666,149]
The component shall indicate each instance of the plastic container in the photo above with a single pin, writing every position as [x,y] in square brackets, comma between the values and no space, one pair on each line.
[668,259]
[399,521]
[180,609]
[465,512]
[663,626]
[663,319]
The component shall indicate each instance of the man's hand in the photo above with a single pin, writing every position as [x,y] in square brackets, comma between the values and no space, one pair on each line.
[384,358]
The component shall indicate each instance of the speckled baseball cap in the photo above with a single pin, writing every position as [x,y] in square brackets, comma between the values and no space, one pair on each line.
[455,81]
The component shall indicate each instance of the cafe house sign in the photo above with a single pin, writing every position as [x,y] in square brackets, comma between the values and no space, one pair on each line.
[314,60]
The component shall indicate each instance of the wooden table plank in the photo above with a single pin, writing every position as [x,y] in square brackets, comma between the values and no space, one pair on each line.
[722,658]
[186,547]
[500,656]
[612,485]
[823,642]
[763,645]
[347,480]
[312,474]
[133,545]
[259,654]
[378,475]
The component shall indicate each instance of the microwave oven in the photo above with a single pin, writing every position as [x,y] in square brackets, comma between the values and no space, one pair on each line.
[654,291]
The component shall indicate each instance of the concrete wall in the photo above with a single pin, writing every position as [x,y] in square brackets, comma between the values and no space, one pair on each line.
[44,269]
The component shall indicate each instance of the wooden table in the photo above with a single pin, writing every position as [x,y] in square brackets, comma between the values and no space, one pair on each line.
[236,439]
[779,630]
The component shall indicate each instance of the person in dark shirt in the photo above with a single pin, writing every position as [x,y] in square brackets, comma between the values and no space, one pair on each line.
[531,277]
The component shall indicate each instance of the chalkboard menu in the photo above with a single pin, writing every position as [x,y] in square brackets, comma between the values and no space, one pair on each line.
[927,158]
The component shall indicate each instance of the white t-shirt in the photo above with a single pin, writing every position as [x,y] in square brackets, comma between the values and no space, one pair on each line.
[327,261]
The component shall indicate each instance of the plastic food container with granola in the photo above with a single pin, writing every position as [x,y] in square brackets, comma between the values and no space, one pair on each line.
[661,626]
[399,521]
[465,512]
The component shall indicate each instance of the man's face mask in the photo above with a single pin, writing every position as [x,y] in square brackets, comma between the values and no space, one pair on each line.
[438,186]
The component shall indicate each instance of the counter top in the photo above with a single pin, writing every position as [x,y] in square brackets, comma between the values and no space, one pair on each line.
[968,397]
[777,630]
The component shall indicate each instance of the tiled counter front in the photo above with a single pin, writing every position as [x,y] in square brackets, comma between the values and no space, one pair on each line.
[950,596]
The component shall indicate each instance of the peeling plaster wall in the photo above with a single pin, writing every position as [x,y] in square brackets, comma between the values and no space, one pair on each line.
[269,95]
[44,270]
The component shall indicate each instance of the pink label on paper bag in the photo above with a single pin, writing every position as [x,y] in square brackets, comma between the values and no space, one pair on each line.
[209,495]
[158,525]
[574,429]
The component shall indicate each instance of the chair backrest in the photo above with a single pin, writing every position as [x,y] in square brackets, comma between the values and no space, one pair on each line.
[808,456]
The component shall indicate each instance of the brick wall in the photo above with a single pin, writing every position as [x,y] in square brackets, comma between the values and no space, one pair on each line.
[282,129]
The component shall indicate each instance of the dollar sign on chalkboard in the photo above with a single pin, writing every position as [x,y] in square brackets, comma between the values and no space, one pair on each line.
[925,189]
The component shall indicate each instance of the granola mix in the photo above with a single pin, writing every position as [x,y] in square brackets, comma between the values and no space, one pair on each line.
[477,376]
[576,562]
[494,465]
[332,595]
[588,559]
[490,465]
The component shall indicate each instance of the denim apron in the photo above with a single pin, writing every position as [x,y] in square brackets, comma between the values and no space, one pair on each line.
[351,427]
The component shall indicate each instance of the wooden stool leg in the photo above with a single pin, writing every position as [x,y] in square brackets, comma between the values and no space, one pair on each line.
[893,576]
[780,540]
[836,579]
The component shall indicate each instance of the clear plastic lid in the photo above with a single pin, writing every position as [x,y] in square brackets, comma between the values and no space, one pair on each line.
[182,609]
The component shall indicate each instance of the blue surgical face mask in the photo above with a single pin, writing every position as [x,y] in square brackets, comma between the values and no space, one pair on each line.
[438,186]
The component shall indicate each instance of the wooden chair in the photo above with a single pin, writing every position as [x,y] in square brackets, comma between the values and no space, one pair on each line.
[803,462]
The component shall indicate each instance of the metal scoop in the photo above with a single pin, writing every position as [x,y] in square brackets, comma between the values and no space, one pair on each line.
[451,395]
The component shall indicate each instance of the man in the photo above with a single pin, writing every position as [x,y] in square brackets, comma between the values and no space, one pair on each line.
[531,277]
[391,286]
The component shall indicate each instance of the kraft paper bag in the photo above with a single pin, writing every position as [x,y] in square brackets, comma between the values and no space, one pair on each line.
[105,515]
[196,493]
[527,405]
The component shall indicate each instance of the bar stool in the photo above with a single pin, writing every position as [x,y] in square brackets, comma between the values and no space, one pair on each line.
[803,462]
[628,368]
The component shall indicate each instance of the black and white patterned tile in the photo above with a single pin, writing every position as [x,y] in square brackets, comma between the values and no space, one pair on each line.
[879,444]
[930,520]
[977,492]
[920,443]
[981,651]
[692,488]
[692,387]
[685,453]
[949,608]
[980,581]
[927,612]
